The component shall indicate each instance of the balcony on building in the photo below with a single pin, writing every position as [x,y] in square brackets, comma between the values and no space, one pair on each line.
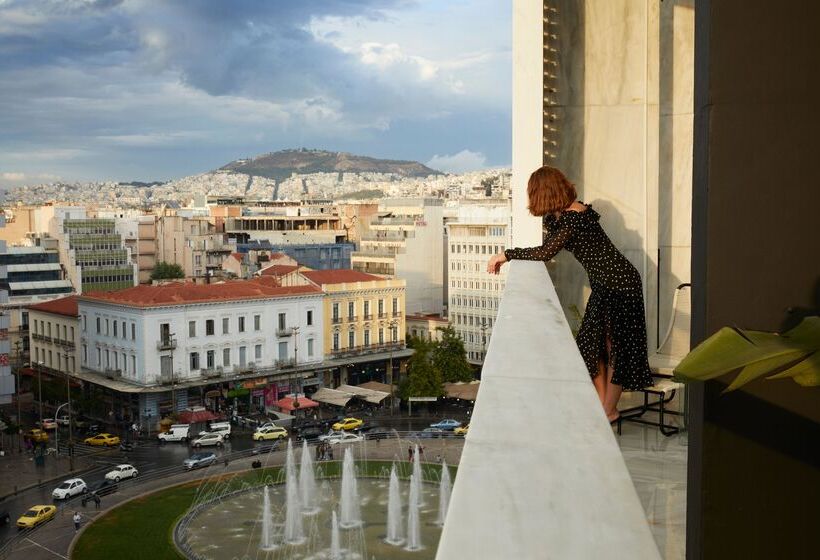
[167,343]
[283,332]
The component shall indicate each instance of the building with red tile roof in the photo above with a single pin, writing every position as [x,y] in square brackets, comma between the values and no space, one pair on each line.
[63,306]
[53,333]
[339,276]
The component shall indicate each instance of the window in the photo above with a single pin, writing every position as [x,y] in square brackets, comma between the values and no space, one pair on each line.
[84,319]
[381,336]
[194,361]
[335,312]
[335,341]
[366,310]
[133,331]
[107,358]
[310,347]
[257,352]
[99,357]
[351,339]
[85,354]
[116,361]
[282,322]
[394,333]
[134,364]
[367,337]
[226,357]
[395,306]
[309,319]
[241,324]
[381,307]
[243,359]
[351,309]
[226,325]
[192,329]
[210,359]
[283,350]
[257,322]
[116,330]
[209,327]
[72,335]
[107,328]
[98,325]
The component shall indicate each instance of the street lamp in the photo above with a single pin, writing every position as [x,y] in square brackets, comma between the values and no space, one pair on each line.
[393,324]
[296,366]
[18,362]
[70,431]
[40,389]
[483,327]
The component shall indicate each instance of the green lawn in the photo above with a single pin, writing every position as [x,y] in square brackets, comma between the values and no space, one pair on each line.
[142,528]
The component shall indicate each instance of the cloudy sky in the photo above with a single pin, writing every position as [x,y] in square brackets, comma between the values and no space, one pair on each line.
[158,89]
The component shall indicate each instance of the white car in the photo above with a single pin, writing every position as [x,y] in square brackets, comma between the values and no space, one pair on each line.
[69,488]
[221,428]
[330,434]
[120,472]
[345,437]
[208,439]
[63,420]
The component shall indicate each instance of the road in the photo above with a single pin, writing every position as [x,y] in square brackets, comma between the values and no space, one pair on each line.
[149,456]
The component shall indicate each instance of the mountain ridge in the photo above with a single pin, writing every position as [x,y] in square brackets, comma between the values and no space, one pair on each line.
[284,163]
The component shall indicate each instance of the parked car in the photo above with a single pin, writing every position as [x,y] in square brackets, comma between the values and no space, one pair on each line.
[177,432]
[462,430]
[207,439]
[348,424]
[99,489]
[329,434]
[36,435]
[221,428]
[265,448]
[63,420]
[102,440]
[448,424]
[35,516]
[270,432]
[69,488]
[344,437]
[47,424]
[198,460]
[121,471]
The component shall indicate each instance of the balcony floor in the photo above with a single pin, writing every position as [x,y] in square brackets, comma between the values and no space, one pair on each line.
[657,465]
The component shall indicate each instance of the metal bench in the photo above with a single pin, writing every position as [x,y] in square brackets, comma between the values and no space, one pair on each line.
[662,364]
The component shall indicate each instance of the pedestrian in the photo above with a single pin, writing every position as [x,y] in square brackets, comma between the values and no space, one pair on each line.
[96,501]
[330,452]
[409,453]
[77,520]
[438,458]
[421,452]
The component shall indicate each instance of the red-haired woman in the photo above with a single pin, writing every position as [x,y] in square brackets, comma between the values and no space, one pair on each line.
[612,337]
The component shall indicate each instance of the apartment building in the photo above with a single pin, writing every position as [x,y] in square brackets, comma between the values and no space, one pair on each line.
[53,335]
[194,243]
[7,385]
[475,234]
[406,242]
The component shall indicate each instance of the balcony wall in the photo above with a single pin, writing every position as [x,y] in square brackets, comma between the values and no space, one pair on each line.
[541,475]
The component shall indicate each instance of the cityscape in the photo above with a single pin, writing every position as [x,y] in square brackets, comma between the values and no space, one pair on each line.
[377,280]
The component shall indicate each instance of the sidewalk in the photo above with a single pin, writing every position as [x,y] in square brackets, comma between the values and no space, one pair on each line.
[18,471]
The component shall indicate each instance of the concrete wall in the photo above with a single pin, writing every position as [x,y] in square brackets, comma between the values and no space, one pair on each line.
[754,474]
[622,129]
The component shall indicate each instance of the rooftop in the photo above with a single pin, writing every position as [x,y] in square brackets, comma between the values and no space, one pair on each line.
[176,293]
[339,276]
[427,317]
[64,306]
[278,269]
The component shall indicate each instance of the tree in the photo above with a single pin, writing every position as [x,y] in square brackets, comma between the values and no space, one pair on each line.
[423,377]
[165,271]
[450,358]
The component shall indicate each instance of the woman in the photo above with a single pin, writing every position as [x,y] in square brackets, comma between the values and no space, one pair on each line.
[612,337]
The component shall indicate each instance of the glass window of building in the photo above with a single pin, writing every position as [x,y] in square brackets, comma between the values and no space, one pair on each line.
[310,347]
[133,331]
[209,327]
[241,324]
[283,350]
[210,359]
[194,358]
[335,341]
[257,322]
[242,356]
[192,329]
[226,357]
[351,309]
[116,329]
[226,325]
[351,339]
[257,352]
[282,321]
[309,319]
[367,337]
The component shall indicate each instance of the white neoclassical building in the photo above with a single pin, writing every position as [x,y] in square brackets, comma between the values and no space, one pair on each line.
[184,332]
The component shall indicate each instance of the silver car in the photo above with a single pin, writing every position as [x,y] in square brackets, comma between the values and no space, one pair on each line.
[198,460]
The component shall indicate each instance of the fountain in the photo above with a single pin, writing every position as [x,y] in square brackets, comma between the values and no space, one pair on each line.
[307,483]
[394,536]
[417,473]
[349,505]
[445,487]
[413,529]
[267,523]
[335,548]
[294,531]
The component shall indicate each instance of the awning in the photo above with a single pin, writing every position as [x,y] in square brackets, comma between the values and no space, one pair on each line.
[376,386]
[369,395]
[331,396]
[286,403]
[194,416]
[465,391]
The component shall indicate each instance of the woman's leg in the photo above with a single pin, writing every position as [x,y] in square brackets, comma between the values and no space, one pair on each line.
[613,392]
[600,380]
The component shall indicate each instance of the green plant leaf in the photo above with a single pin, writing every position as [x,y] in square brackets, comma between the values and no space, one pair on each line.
[756,354]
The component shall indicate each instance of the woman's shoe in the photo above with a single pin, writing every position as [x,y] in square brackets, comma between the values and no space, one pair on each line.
[617,421]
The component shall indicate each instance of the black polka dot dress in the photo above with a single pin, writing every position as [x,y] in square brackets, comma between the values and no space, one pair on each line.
[615,306]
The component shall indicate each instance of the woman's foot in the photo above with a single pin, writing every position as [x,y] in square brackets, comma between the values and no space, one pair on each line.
[613,417]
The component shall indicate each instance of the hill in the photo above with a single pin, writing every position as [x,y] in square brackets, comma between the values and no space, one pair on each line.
[281,165]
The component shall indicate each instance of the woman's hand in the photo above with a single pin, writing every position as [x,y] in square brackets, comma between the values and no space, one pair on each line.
[494,264]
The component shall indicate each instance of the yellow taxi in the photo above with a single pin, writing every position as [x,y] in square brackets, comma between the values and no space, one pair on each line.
[36,435]
[461,430]
[36,515]
[269,432]
[348,424]
[102,440]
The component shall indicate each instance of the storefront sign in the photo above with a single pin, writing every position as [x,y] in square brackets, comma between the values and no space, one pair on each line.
[258,392]
[309,382]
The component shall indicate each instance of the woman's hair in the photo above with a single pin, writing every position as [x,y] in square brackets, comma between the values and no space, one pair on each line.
[549,191]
